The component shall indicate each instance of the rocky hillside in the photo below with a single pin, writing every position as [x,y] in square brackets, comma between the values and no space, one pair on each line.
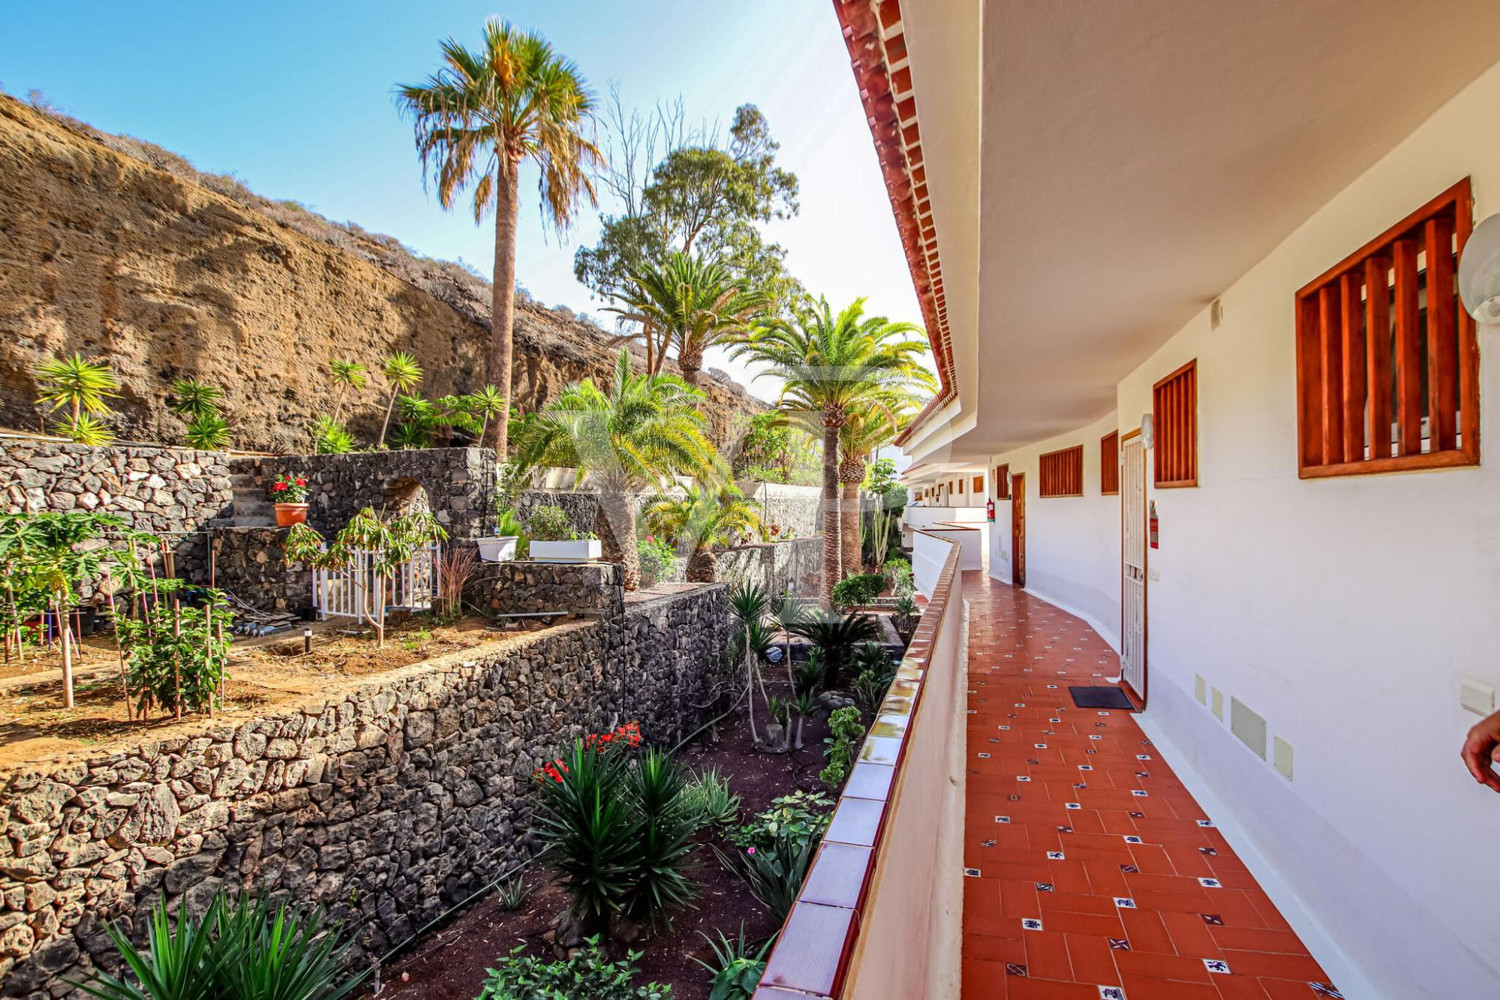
[119,249]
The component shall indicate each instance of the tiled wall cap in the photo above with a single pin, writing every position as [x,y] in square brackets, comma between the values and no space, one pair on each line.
[838,876]
[870,781]
[881,750]
[856,821]
[811,948]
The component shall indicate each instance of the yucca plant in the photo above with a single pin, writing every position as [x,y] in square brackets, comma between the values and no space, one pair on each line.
[709,795]
[805,704]
[590,831]
[661,884]
[208,432]
[748,603]
[404,374]
[84,429]
[485,405]
[330,438]
[239,950]
[81,386]
[513,893]
[192,399]
[346,375]
[813,673]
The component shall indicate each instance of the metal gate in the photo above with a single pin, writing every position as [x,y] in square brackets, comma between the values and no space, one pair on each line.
[1133,563]
[346,592]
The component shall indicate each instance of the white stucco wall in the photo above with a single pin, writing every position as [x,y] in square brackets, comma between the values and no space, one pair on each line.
[1342,610]
[1072,543]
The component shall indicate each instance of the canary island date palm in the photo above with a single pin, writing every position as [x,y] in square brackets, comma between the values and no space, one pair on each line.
[690,303]
[476,120]
[703,517]
[828,363]
[625,438]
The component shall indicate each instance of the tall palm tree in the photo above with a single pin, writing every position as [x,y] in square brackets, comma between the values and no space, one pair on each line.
[476,120]
[345,375]
[871,424]
[827,363]
[705,517]
[626,438]
[691,303]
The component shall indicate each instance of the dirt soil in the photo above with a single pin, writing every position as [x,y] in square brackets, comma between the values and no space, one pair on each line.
[264,673]
[450,963]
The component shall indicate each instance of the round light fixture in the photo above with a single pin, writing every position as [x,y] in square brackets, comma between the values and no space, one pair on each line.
[1479,272]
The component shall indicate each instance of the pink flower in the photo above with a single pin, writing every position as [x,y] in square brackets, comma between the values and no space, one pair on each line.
[749,850]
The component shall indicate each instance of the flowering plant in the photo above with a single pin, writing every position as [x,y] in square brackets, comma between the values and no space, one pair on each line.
[627,736]
[553,770]
[290,487]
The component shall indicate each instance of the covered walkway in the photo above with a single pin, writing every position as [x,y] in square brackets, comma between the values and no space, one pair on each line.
[1093,873]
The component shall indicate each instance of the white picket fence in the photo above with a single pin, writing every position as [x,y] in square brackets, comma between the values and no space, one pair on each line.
[346,593]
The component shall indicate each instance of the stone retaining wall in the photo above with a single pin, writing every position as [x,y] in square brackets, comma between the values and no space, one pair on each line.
[172,492]
[792,565]
[389,802]
[251,564]
[524,586]
[459,484]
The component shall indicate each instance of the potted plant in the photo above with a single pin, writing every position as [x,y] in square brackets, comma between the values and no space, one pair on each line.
[289,494]
[505,543]
[554,540]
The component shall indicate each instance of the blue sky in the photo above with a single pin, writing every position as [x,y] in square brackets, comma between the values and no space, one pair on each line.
[295,100]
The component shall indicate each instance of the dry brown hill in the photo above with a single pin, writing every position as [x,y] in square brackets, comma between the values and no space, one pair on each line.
[114,247]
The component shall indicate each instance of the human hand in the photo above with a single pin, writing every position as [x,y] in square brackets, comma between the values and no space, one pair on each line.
[1480,751]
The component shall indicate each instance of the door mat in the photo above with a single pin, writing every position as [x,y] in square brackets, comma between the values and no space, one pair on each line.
[1103,696]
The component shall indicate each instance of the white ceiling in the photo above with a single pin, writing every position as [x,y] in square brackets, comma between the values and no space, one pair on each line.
[1134,159]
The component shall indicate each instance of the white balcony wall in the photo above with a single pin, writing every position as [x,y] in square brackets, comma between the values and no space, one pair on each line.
[1344,611]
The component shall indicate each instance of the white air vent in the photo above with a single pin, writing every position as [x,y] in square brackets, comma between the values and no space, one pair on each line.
[1248,726]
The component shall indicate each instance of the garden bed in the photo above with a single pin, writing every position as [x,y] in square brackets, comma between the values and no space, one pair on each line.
[450,963]
[264,673]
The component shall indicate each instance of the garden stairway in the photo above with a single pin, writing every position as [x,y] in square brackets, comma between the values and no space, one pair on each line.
[249,508]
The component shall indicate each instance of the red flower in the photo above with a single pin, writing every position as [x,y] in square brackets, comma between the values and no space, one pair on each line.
[277,488]
[301,482]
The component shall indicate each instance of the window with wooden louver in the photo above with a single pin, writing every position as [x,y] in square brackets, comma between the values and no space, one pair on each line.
[1174,408]
[1062,473]
[1387,358]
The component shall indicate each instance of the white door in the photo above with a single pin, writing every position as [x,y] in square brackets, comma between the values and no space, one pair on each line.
[1133,564]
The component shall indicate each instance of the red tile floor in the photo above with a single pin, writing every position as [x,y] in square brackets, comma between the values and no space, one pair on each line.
[1094,875]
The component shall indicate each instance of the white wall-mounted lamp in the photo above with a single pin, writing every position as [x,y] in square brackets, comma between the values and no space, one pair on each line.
[1148,431]
[1479,272]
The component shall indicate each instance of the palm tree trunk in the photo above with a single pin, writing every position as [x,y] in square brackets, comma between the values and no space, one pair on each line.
[503,299]
[851,560]
[690,362]
[832,419]
[703,566]
[387,422]
[614,522]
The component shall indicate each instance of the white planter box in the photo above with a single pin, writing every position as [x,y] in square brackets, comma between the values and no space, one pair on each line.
[497,548]
[581,550]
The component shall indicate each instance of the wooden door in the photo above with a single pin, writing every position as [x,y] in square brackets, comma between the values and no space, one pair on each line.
[1133,563]
[1018,529]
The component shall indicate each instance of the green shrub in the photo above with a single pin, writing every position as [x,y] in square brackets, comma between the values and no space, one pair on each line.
[513,893]
[588,973]
[549,523]
[708,795]
[658,559]
[240,950]
[775,873]
[660,884]
[835,635]
[812,674]
[857,590]
[801,816]
[177,656]
[846,732]
[737,966]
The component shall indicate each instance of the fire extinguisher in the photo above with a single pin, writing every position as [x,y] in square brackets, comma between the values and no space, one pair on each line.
[1152,526]
[989,510]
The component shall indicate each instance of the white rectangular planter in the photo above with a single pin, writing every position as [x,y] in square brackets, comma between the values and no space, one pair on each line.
[497,548]
[580,550]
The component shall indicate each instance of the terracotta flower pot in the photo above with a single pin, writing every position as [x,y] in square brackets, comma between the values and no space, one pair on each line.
[288,514]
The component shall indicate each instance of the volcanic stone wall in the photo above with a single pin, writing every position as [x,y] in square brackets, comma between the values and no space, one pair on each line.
[389,800]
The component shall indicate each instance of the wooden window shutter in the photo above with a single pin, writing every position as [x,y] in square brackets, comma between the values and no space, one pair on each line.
[1062,473]
[1109,464]
[1002,482]
[1174,407]
[1387,357]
